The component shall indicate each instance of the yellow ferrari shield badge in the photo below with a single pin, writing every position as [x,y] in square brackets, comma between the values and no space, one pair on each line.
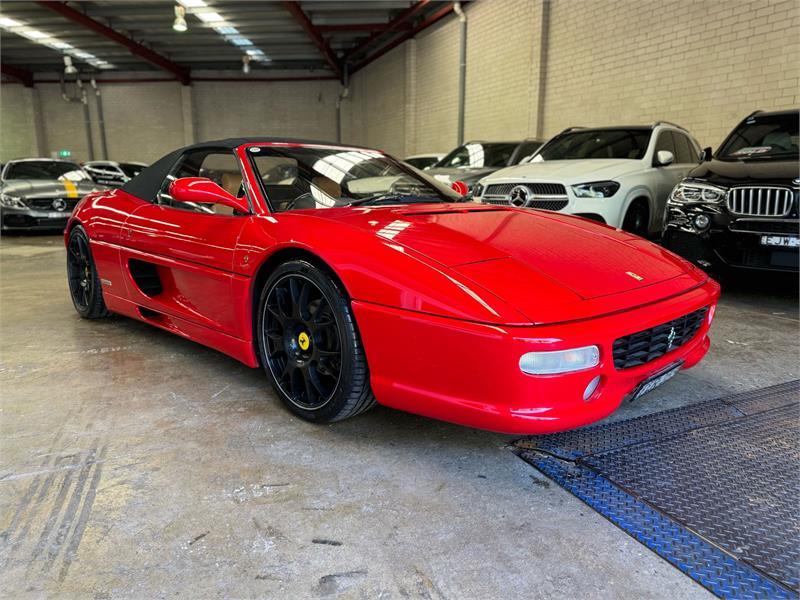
[303,341]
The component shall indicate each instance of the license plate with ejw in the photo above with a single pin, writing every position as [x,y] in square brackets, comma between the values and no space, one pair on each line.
[789,241]
[652,382]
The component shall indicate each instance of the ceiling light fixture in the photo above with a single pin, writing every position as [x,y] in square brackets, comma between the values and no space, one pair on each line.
[179,24]
[69,68]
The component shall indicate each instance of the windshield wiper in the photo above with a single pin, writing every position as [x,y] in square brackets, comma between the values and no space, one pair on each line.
[394,199]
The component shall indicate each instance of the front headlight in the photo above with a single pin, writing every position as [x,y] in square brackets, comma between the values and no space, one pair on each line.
[595,189]
[11,201]
[689,191]
[560,361]
[477,191]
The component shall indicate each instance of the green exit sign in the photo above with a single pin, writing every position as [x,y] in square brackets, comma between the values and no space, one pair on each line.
[64,154]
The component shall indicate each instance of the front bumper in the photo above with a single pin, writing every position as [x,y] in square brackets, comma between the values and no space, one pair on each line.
[468,373]
[729,241]
[602,210]
[29,219]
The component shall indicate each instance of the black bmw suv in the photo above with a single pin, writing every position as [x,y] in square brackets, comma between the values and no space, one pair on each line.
[739,207]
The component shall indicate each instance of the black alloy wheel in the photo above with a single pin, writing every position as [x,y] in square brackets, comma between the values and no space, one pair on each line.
[309,345]
[84,284]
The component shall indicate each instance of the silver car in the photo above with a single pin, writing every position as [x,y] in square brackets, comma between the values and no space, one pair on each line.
[40,193]
[110,173]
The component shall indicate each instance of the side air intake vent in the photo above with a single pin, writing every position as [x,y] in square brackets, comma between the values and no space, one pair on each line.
[146,277]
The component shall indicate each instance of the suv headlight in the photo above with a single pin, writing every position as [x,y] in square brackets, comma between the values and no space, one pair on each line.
[690,191]
[595,189]
[477,191]
[11,201]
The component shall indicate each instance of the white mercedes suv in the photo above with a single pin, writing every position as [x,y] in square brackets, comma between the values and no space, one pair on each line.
[620,176]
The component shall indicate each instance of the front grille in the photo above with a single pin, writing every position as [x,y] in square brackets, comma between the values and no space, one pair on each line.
[47,203]
[760,201]
[546,196]
[751,226]
[643,346]
[536,189]
[547,204]
[541,204]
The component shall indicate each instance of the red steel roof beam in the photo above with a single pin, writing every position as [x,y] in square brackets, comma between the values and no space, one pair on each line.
[313,33]
[394,25]
[430,20]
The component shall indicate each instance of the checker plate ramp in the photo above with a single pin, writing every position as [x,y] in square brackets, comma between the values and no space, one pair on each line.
[713,488]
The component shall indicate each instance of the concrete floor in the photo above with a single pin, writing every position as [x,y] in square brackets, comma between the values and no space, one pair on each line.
[137,464]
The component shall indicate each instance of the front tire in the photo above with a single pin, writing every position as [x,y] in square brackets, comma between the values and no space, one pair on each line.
[309,345]
[84,283]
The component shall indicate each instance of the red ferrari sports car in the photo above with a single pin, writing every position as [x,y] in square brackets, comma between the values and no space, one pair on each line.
[352,278]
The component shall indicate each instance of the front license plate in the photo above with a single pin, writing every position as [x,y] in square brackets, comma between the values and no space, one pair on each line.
[652,382]
[57,215]
[788,241]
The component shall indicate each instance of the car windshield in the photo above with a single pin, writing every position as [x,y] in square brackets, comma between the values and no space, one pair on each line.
[421,162]
[596,143]
[296,178]
[762,137]
[131,170]
[477,155]
[45,169]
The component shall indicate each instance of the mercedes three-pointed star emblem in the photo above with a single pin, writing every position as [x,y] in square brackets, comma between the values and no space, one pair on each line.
[518,196]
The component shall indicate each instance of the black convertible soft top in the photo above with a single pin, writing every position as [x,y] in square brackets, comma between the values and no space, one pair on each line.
[147,183]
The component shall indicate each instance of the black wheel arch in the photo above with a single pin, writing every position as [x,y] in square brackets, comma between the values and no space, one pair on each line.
[648,203]
[272,262]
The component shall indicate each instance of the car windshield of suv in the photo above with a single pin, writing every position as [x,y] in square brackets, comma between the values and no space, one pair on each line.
[763,137]
[328,177]
[44,169]
[131,170]
[475,155]
[596,143]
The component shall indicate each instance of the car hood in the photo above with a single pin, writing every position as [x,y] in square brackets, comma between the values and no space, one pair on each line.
[468,176]
[737,172]
[549,267]
[47,188]
[570,171]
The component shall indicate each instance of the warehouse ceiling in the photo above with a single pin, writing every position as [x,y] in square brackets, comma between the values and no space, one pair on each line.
[123,35]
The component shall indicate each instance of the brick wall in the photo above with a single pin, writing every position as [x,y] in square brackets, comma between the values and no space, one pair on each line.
[502,63]
[144,121]
[375,115]
[704,65]
[16,119]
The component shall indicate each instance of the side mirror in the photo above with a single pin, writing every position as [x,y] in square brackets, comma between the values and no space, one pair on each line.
[705,155]
[664,158]
[205,191]
[460,187]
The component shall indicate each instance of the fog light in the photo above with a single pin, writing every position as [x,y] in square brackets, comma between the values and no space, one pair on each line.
[711,312]
[559,361]
[590,389]
[701,222]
